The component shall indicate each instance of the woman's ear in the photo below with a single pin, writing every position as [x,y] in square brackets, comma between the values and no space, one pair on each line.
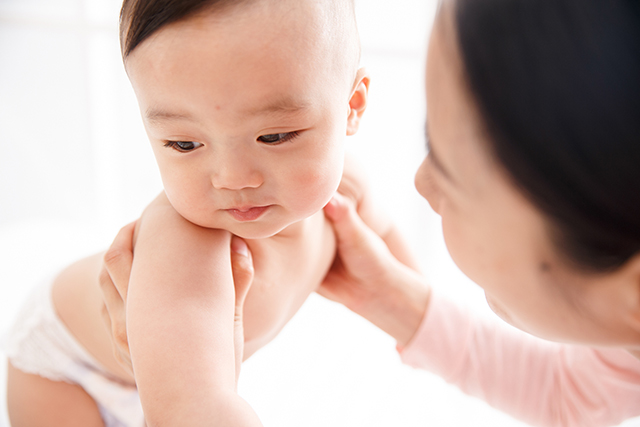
[358,101]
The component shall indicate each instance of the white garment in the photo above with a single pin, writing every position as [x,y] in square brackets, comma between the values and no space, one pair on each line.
[39,343]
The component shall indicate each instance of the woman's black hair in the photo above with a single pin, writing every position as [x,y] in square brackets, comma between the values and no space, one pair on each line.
[557,83]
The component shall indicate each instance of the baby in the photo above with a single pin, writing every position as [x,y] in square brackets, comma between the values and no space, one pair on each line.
[246,105]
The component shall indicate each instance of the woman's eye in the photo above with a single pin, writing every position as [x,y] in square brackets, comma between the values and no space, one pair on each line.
[183,146]
[277,138]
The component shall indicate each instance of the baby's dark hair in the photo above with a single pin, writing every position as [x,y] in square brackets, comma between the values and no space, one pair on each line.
[557,83]
[139,19]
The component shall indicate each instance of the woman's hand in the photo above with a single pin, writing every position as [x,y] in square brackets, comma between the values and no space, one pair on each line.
[242,267]
[114,284]
[368,279]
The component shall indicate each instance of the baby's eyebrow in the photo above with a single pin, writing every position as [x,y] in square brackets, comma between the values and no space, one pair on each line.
[280,105]
[155,115]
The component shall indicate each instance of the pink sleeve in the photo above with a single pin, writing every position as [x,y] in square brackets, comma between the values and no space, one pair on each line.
[539,382]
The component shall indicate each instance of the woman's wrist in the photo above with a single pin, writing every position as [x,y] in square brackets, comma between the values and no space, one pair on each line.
[400,305]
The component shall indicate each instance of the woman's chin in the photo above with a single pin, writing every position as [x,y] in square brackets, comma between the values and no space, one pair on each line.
[495,307]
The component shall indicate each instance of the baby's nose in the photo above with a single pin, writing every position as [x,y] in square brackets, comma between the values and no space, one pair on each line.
[235,170]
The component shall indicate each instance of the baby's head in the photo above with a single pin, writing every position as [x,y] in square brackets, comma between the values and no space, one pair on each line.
[246,104]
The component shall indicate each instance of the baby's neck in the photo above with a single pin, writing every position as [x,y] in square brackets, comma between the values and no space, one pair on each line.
[293,231]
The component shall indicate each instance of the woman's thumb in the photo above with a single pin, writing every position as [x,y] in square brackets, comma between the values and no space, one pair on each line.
[242,267]
[347,224]
[355,238]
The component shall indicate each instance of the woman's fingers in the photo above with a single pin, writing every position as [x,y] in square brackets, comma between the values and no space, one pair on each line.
[114,318]
[110,295]
[119,258]
[114,283]
[362,259]
[358,245]
[242,268]
[342,213]
[368,279]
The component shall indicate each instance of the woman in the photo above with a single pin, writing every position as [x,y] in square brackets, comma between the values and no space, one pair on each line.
[534,129]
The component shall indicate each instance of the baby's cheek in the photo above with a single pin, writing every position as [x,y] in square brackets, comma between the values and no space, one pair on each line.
[192,205]
[315,190]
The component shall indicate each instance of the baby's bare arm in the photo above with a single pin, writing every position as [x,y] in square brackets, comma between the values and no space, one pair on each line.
[180,323]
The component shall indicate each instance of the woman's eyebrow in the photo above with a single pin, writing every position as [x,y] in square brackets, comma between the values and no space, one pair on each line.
[432,154]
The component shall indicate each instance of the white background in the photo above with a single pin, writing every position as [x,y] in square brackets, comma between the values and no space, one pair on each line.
[75,165]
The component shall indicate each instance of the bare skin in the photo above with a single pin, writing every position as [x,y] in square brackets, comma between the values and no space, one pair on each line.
[494,233]
[57,403]
[64,404]
[78,298]
[229,140]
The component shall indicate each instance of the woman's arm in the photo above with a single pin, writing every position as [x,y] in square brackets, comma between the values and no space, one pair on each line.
[540,382]
[180,323]
[543,383]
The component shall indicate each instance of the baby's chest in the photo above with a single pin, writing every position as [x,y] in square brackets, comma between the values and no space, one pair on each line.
[281,276]
[285,275]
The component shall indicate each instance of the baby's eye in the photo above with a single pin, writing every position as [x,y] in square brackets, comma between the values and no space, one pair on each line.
[277,138]
[183,146]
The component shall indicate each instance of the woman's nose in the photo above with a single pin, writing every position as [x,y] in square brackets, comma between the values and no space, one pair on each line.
[235,169]
[426,185]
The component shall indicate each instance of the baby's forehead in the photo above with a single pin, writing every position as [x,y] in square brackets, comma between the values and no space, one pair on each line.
[324,19]
[329,25]
[321,32]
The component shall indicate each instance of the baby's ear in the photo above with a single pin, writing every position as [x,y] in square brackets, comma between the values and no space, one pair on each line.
[358,101]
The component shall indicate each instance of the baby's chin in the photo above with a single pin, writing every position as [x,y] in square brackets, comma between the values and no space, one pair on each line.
[254,233]
[273,224]
[248,230]
[257,230]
